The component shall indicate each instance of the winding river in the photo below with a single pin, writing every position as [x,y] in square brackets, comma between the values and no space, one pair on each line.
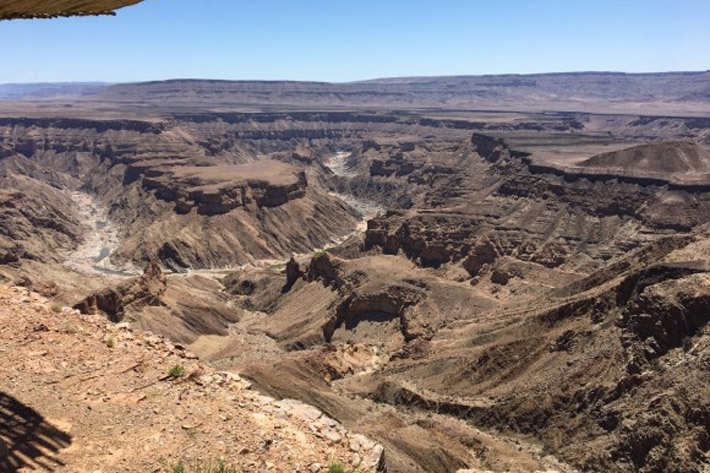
[93,255]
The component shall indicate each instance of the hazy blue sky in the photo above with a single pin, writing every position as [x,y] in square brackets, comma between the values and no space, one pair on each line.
[341,40]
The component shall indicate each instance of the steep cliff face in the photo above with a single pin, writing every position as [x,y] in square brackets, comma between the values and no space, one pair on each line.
[550,219]
[613,376]
[218,189]
[37,221]
[488,147]
[166,189]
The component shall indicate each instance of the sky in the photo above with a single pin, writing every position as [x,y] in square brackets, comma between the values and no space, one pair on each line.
[347,40]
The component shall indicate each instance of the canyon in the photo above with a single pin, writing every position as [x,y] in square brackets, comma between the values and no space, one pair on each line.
[524,288]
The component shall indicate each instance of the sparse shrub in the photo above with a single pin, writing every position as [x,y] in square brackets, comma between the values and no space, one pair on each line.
[69,329]
[336,467]
[176,371]
[57,308]
[218,466]
[110,342]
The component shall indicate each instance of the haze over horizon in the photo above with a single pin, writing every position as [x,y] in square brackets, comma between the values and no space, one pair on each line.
[322,41]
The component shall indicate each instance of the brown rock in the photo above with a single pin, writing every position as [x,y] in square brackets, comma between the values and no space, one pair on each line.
[144,290]
[294,272]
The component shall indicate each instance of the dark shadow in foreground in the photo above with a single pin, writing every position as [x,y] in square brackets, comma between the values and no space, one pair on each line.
[26,439]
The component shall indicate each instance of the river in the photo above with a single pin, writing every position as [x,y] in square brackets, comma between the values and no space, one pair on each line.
[93,255]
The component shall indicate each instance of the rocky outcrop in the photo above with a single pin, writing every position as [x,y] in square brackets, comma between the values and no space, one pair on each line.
[113,302]
[386,304]
[303,154]
[397,165]
[325,269]
[488,147]
[484,254]
[382,300]
[294,272]
[210,197]
[665,315]
[11,254]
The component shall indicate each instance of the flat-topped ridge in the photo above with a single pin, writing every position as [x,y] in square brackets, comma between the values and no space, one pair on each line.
[673,163]
[220,188]
[664,157]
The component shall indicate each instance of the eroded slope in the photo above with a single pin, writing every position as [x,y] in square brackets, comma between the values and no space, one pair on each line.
[85,394]
[503,313]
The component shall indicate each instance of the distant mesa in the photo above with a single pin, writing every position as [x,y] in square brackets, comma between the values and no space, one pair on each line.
[674,160]
[220,188]
[668,94]
[663,157]
[591,92]
[678,163]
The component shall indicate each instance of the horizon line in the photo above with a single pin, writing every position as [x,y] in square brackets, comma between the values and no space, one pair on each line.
[148,81]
